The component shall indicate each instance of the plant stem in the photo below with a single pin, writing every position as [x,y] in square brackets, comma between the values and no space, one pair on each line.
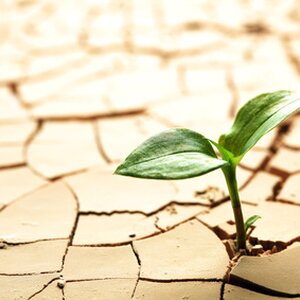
[230,175]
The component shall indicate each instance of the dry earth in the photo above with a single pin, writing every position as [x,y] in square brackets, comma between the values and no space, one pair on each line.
[84,82]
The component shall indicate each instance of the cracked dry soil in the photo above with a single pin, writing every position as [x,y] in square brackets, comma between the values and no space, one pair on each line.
[83,83]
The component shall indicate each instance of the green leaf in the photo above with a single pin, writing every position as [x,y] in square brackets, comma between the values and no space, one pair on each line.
[173,154]
[256,118]
[251,221]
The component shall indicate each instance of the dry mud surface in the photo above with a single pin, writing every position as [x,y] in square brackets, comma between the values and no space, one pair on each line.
[84,82]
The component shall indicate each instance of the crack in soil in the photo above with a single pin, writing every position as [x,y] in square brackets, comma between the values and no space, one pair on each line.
[160,119]
[19,198]
[262,165]
[240,282]
[43,288]
[27,144]
[290,202]
[294,148]
[292,57]
[182,280]
[29,273]
[165,55]
[115,212]
[12,166]
[97,279]
[52,74]
[99,143]
[70,173]
[34,241]
[3,207]
[93,117]
[233,90]
[222,291]
[202,26]
[14,87]
[73,230]
[128,242]
[152,213]
[157,226]
[117,244]
[136,254]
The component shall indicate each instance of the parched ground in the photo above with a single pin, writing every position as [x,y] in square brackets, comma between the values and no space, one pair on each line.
[84,82]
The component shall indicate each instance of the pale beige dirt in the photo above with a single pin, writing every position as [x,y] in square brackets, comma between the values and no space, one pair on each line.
[84,82]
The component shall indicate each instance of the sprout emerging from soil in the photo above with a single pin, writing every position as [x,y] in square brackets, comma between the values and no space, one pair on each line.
[182,153]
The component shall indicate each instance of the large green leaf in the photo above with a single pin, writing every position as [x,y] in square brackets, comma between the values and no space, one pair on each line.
[173,154]
[256,118]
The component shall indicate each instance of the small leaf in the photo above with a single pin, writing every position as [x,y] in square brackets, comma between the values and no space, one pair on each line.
[251,221]
[227,155]
[256,118]
[173,154]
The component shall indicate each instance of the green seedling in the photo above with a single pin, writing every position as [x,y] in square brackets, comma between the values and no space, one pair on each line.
[182,153]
